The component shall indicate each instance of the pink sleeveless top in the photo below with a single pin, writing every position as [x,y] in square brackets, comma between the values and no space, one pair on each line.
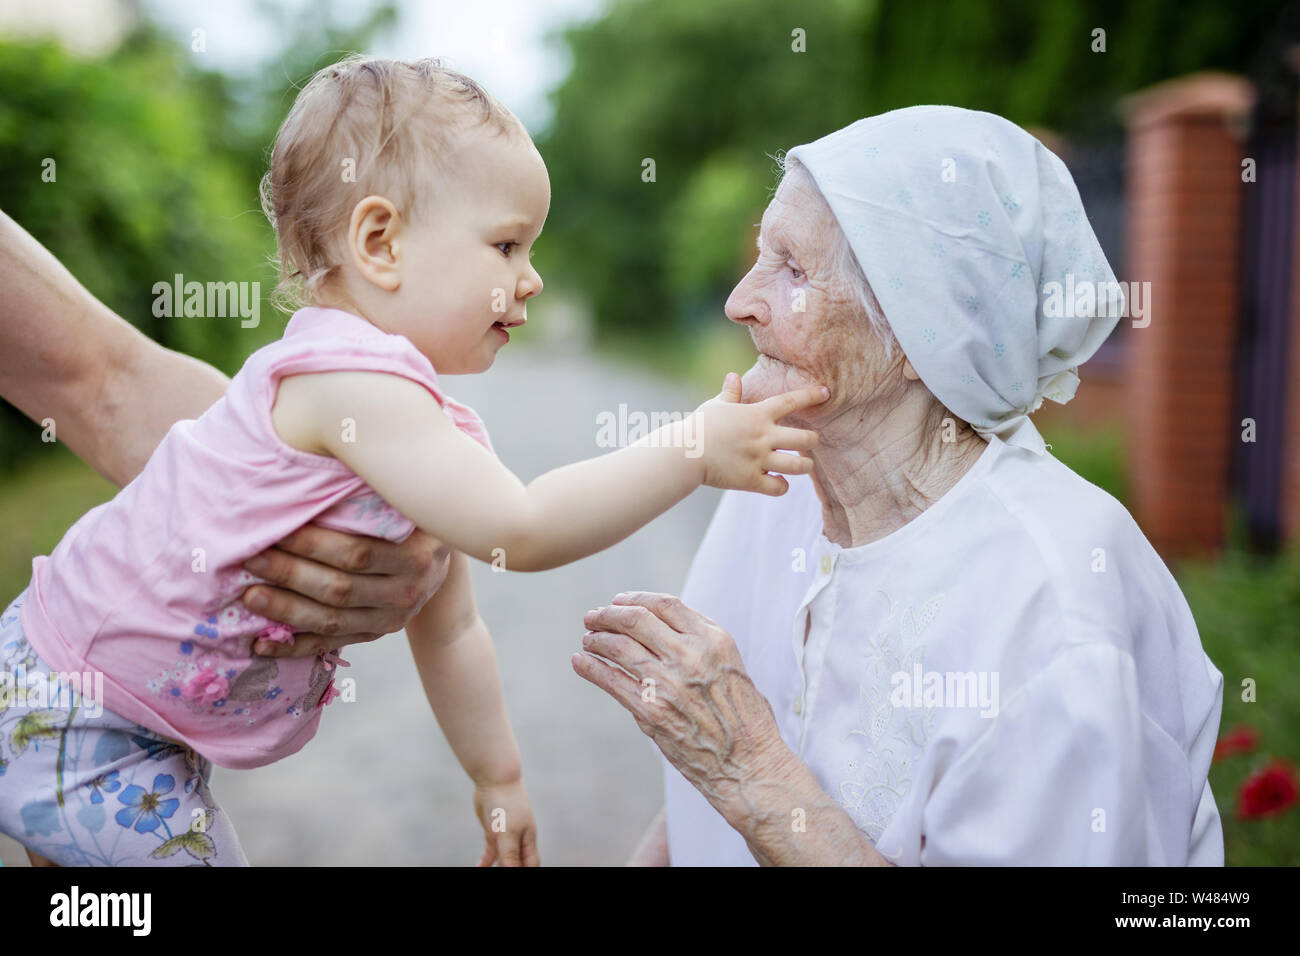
[145,588]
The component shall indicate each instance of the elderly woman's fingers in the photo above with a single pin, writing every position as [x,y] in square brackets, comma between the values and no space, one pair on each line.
[795,439]
[628,654]
[669,609]
[618,684]
[788,464]
[634,620]
[779,406]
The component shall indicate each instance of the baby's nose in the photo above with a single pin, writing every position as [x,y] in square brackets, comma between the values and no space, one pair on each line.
[531,285]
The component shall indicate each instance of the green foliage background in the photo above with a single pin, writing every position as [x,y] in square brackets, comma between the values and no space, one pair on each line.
[157,163]
[711,91]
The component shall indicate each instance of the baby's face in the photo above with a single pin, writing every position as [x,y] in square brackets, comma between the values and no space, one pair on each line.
[466,274]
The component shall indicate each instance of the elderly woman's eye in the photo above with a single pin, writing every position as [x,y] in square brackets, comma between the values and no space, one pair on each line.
[795,271]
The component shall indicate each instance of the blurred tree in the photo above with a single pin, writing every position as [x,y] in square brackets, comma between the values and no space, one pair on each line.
[710,91]
[156,166]
[145,183]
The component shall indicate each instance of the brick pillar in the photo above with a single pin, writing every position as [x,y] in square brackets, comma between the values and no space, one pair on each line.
[1183,210]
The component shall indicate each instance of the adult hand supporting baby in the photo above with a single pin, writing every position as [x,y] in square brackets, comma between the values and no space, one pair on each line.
[340,589]
[682,678]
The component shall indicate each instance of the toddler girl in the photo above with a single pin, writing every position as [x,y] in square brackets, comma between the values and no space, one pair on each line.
[406,201]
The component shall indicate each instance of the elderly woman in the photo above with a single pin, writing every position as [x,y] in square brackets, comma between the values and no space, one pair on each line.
[944,647]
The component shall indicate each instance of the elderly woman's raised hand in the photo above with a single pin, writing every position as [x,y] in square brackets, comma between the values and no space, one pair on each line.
[684,683]
[682,678]
[741,443]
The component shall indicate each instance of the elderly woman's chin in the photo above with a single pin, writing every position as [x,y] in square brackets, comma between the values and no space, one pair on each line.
[770,376]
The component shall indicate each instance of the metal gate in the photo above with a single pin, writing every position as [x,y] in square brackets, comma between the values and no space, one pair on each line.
[1267,254]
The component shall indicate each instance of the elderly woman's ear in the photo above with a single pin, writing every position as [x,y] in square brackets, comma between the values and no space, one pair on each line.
[909,373]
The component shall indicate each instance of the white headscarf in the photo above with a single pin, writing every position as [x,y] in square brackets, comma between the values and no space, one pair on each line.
[961,221]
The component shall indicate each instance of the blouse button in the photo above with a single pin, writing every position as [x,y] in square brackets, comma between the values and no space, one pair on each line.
[798,704]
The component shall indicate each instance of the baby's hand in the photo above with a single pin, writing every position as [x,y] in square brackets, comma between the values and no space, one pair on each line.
[739,442]
[508,825]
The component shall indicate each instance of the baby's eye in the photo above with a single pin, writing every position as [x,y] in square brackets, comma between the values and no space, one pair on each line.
[506,251]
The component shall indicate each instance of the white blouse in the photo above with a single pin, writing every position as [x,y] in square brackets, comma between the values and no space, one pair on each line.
[1013,677]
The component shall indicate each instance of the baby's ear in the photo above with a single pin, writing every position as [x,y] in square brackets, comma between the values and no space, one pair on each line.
[373,242]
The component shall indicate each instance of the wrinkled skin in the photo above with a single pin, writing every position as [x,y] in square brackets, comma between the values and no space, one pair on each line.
[682,679]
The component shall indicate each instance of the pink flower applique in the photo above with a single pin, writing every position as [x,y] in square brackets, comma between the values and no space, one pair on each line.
[329,660]
[279,633]
[330,693]
[206,687]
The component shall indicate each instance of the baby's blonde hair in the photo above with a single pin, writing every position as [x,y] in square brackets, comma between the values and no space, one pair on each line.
[362,126]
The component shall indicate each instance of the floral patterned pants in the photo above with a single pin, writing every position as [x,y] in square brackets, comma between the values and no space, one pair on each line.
[83,786]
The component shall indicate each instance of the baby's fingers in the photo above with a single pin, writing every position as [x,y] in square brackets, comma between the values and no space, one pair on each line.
[795,439]
[508,848]
[773,485]
[530,854]
[788,464]
[730,388]
[779,406]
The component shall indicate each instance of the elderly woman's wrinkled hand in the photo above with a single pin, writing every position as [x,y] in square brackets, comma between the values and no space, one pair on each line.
[741,443]
[683,681]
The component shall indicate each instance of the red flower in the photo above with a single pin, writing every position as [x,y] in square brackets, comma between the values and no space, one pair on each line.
[1241,739]
[1267,792]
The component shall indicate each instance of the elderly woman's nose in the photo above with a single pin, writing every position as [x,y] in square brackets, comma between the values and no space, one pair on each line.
[743,306]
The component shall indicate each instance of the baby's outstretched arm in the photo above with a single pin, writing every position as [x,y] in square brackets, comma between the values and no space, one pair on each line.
[401,443]
[453,653]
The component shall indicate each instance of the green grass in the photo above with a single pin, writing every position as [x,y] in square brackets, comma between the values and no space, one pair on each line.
[1248,612]
[39,503]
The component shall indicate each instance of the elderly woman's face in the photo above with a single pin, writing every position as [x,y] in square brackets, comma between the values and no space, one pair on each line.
[801,312]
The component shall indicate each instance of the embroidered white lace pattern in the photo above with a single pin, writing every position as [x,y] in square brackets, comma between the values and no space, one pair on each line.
[880,777]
